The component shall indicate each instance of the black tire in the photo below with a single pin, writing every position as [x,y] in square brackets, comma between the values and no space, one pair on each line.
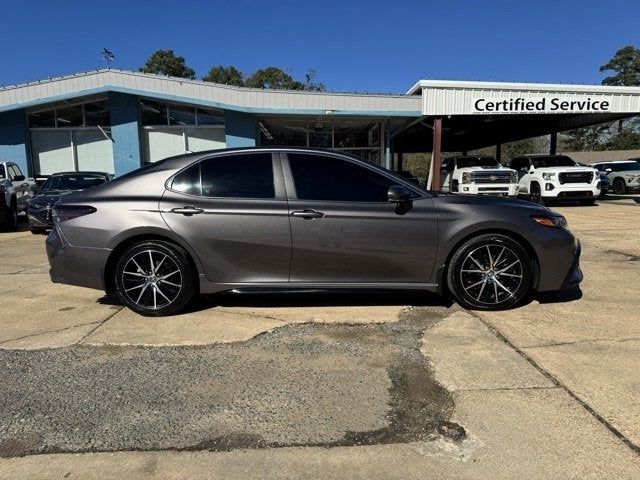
[161,291]
[535,194]
[619,187]
[588,201]
[488,289]
[12,221]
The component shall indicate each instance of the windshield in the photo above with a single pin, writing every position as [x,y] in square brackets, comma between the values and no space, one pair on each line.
[624,167]
[73,182]
[558,161]
[476,162]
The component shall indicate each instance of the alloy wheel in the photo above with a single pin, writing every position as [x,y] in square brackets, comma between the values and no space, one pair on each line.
[151,279]
[491,274]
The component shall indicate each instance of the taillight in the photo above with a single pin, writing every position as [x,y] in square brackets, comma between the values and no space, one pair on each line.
[62,213]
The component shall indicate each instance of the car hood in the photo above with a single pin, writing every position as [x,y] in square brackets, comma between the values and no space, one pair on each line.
[49,198]
[566,169]
[490,201]
[486,169]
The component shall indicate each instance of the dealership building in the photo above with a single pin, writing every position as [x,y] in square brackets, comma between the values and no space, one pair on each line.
[116,121]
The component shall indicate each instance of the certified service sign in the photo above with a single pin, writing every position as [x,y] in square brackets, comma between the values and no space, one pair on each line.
[551,104]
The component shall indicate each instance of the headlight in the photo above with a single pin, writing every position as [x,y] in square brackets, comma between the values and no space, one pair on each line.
[553,221]
[549,176]
[466,177]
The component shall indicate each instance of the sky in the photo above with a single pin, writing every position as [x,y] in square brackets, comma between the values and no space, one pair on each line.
[365,46]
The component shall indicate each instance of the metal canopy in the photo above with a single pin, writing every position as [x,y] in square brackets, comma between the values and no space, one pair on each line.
[469,132]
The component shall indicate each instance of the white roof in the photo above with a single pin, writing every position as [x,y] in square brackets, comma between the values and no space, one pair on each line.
[533,87]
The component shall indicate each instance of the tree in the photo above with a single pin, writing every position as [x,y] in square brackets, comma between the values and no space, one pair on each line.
[626,65]
[310,84]
[225,75]
[165,62]
[273,78]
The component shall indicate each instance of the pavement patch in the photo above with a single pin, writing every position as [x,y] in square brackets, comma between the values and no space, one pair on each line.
[298,385]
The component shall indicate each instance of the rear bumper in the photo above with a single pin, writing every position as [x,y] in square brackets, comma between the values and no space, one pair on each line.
[80,266]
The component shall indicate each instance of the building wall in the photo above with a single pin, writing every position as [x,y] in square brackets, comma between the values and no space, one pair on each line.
[14,139]
[125,132]
[602,156]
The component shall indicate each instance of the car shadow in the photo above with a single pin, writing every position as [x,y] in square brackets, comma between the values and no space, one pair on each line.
[561,296]
[282,299]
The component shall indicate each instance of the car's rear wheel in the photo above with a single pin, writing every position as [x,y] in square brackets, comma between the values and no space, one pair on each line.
[155,278]
[12,219]
[489,272]
[619,186]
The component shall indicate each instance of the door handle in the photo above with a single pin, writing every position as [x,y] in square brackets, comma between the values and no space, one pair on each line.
[187,211]
[307,214]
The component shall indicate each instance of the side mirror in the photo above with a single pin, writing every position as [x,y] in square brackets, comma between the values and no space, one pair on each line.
[398,194]
[608,170]
[532,170]
[18,178]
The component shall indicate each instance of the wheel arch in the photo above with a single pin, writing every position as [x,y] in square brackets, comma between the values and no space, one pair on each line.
[110,266]
[533,256]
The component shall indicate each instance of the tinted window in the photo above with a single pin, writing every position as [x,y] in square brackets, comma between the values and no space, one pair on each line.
[240,176]
[558,161]
[188,181]
[477,162]
[625,167]
[327,178]
[73,182]
[2,172]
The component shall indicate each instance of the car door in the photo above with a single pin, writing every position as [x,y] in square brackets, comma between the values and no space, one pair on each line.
[232,210]
[344,230]
[20,186]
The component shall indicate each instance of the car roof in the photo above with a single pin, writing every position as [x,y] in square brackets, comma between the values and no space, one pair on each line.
[81,172]
[615,161]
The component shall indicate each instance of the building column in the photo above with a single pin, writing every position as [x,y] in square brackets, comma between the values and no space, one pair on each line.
[14,139]
[241,129]
[387,146]
[553,143]
[125,132]
[436,156]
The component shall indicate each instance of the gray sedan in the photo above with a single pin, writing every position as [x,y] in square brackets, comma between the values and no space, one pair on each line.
[293,219]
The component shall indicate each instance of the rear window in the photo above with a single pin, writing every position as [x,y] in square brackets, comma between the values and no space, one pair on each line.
[73,182]
[476,162]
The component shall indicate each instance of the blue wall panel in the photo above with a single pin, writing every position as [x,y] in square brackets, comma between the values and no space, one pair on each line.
[241,129]
[14,139]
[125,131]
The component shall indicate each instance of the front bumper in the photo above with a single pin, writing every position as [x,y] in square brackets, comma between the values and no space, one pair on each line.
[559,259]
[71,265]
[570,192]
[497,189]
[574,276]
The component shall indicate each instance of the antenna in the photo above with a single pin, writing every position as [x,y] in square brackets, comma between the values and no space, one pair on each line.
[108,57]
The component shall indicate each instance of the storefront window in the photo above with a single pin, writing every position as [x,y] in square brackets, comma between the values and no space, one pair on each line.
[153,113]
[89,114]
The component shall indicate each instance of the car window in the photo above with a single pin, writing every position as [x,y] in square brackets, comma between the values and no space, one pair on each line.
[625,167]
[319,177]
[13,171]
[477,162]
[3,174]
[72,181]
[188,181]
[238,176]
[553,161]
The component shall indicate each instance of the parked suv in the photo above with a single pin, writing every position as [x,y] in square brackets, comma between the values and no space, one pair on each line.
[15,192]
[624,175]
[545,178]
[478,175]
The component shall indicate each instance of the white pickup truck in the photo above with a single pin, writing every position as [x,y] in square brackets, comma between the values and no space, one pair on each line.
[547,178]
[15,192]
[478,175]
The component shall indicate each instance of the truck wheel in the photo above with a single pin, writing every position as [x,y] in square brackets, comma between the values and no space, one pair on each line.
[619,186]
[535,194]
[12,221]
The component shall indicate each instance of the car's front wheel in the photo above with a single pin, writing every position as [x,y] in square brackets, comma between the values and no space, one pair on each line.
[155,278]
[535,194]
[619,186]
[489,272]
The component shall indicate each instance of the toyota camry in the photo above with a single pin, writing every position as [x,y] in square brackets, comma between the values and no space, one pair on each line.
[291,219]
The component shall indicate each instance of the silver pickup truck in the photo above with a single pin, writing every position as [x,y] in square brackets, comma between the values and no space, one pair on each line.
[15,192]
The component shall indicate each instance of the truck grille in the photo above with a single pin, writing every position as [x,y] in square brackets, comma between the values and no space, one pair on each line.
[491,177]
[575,177]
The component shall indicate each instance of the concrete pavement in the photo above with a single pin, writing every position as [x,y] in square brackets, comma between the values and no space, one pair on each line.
[547,390]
